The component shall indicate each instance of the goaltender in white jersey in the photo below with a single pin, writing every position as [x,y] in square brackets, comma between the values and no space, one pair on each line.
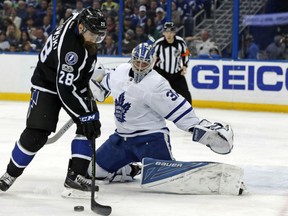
[142,107]
[143,101]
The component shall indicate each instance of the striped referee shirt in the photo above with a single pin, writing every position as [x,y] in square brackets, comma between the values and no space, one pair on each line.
[171,57]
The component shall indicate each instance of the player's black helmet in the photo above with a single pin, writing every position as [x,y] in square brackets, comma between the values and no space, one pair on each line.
[93,20]
[169,26]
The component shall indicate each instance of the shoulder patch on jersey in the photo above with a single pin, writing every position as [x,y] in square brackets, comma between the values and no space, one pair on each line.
[121,108]
[71,58]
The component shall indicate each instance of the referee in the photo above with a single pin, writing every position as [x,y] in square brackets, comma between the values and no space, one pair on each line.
[172,57]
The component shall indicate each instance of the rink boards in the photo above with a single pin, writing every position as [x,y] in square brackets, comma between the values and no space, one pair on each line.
[224,84]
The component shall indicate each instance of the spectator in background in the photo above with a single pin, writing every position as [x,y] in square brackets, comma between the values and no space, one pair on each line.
[134,17]
[127,23]
[13,47]
[200,46]
[142,16]
[96,4]
[215,53]
[68,13]
[151,13]
[31,14]
[163,4]
[21,9]
[40,39]
[23,40]
[176,15]
[128,43]
[29,27]
[27,47]
[140,34]
[41,9]
[109,47]
[160,19]
[186,15]
[111,6]
[251,49]
[13,34]
[79,6]
[110,23]
[150,28]
[47,25]
[4,44]
[207,5]
[128,7]
[7,8]
[16,19]
[276,49]
[5,22]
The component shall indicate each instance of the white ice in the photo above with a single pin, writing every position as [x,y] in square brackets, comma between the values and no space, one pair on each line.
[260,148]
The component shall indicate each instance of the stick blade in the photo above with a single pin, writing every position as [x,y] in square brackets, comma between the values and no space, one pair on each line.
[100,209]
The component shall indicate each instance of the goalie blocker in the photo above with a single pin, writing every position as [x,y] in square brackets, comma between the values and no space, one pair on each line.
[199,178]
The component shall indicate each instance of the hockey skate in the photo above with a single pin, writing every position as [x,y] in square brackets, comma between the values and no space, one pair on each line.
[6,181]
[77,186]
[125,174]
[243,190]
[135,169]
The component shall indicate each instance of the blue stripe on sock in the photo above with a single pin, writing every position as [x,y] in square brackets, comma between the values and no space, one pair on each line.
[20,158]
[81,147]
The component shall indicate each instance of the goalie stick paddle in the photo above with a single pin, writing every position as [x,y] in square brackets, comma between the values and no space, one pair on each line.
[96,207]
[60,133]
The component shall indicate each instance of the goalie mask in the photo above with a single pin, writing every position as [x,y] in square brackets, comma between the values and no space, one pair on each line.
[142,60]
[94,21]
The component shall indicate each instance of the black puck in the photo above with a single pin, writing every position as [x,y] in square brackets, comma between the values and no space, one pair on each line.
[78,208]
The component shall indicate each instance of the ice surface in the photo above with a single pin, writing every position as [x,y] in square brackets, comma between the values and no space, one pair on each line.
[260,147]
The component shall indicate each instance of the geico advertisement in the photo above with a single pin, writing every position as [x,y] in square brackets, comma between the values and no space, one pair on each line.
[255,82]
[228,81]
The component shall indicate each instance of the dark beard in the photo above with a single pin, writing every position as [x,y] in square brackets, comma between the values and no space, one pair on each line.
[91,48]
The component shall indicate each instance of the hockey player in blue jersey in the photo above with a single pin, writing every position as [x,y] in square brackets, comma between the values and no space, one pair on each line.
[143,101]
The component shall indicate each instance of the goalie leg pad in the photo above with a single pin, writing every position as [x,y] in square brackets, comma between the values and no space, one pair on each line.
[199,178]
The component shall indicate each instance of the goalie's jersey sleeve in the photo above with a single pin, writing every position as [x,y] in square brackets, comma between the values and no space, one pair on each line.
[143,107]
[64,67]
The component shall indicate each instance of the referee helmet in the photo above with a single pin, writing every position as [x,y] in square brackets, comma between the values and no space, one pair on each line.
[169,26]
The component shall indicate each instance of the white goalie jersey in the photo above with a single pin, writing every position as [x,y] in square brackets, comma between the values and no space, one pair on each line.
[146,105]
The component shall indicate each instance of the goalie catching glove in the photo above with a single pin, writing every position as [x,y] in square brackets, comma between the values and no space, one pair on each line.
[217,136]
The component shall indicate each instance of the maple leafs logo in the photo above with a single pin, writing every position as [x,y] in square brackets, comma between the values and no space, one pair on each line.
[121,108]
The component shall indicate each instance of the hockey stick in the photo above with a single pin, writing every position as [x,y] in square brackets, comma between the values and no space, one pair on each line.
[60,133]
[96,207]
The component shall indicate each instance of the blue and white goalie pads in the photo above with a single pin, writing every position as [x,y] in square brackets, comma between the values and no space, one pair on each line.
[199,178]
[217,136]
